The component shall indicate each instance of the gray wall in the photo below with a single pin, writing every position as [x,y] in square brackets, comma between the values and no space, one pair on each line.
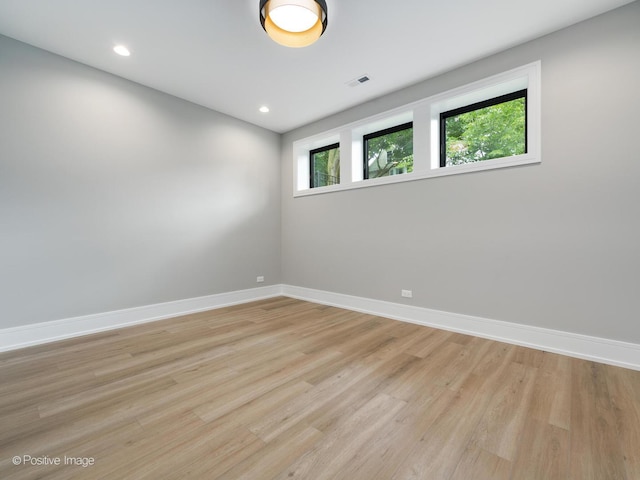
[113,195]
[552,245]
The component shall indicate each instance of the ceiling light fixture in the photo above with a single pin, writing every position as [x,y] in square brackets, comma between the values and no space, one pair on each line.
[264,109]
[122,50]
[294,23]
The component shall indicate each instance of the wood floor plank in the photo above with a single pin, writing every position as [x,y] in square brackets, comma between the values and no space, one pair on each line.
[275,455]
[437,452]
[560,414]
[242,394]
[386,452]
[624,388]
[342,406]
[456,372]
[411,381]
[595,449]
[478,463]
[340,444]
[551,396]
[543,452]
[272,425]
[502,422]
[283,388]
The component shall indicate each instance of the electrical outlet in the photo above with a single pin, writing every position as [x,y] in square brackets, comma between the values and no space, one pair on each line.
[260,279]
[407,293]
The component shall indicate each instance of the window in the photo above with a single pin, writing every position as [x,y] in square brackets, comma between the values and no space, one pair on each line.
[491,123]
[324,166]
[389,151]
[494,128]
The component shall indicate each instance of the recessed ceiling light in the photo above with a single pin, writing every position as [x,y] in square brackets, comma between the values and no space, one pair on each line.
[264,109]
[122,50]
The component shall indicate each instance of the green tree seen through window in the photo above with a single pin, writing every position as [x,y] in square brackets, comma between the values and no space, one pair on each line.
[494,131]
[390,154]
[325,166]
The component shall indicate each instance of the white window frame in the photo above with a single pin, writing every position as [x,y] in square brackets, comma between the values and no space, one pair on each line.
[425,115]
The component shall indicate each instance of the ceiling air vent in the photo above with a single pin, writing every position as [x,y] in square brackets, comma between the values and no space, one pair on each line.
[358,81]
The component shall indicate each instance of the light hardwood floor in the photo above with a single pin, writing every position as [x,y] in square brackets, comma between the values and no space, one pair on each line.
[286,389]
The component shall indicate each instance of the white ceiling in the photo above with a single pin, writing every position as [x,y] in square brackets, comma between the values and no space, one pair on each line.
[214,52]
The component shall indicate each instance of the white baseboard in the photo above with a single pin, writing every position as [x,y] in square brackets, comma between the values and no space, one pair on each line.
[612,352]
[37,333]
